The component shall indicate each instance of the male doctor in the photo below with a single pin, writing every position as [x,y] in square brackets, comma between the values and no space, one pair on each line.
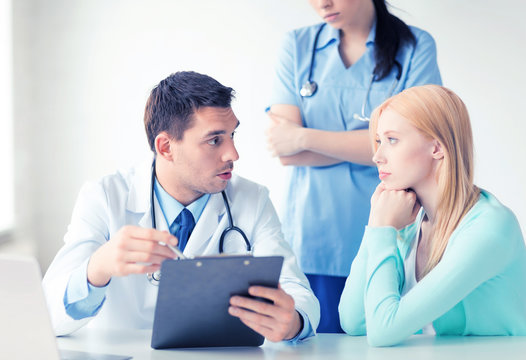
[100,274]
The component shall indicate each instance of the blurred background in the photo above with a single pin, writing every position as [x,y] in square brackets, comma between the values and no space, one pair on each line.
[75,76]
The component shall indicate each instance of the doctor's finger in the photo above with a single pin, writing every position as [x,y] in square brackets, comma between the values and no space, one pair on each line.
[140,233]
[256,306]
[278,296]
[259,328]
[151,247]
[133,257]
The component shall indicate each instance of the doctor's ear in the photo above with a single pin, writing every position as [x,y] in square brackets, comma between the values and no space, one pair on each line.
[163,146]
[438,151]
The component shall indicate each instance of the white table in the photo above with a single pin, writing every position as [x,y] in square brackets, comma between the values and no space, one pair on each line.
[136,343]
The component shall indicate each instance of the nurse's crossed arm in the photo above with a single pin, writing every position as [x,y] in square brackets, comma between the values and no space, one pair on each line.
[302,146]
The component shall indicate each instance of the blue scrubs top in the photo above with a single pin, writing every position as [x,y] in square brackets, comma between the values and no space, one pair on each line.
[327,208]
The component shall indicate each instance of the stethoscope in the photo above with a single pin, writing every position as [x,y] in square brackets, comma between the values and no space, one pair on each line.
[156,277]
[310,86]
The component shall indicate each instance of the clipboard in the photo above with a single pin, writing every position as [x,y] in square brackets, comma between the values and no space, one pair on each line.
[194,296]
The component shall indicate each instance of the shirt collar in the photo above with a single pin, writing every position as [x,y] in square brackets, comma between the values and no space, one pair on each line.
[372,35]
[171,207]
[329,35]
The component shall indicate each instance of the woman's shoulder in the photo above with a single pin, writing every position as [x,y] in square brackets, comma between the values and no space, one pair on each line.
[421,36]
[305,34]
[490,215]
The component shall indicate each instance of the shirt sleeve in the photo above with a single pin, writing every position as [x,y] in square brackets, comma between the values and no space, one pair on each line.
[423,68]
[65,281]
[284,89]
[464,266]
[306,332]
[351,307]
[81,299]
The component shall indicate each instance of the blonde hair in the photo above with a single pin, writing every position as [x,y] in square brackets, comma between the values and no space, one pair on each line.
[440,114]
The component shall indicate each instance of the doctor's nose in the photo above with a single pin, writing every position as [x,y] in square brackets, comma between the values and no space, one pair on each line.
[230,153]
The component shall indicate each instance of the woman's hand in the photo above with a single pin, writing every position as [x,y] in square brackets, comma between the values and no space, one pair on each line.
[283,136]
[396,208]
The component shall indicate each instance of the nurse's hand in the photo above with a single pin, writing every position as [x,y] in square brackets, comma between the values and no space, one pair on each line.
[133,250]
[283,136]
[276,322]
[396,208]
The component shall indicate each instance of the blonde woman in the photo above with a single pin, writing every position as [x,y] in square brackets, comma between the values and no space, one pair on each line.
[439,255]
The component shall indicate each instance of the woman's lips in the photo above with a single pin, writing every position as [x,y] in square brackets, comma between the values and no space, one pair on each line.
[331,17]
[382,175]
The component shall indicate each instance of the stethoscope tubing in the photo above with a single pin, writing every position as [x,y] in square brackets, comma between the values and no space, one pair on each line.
[310,87]
[230,227]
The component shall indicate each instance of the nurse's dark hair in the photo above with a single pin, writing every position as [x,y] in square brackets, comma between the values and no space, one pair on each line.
[172,103]
[391,34]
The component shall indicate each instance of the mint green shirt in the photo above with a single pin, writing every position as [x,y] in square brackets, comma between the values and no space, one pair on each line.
[478,287]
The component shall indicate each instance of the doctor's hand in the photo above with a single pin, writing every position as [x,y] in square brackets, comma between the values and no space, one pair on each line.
[133,250]
[396,208]
[283,136]
[276,322]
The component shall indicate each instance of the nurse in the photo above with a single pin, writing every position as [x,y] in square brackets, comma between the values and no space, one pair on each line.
[329,78]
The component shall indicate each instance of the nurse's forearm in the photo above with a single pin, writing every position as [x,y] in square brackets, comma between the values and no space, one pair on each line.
[353,146]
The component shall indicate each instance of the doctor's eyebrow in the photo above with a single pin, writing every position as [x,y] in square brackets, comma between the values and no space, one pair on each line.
[217,132]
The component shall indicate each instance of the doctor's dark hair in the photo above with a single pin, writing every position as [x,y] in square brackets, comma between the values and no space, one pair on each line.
[391,34]
[172,103]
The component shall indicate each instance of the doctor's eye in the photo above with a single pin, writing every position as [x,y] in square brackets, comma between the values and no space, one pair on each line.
[214,141]
[232,135]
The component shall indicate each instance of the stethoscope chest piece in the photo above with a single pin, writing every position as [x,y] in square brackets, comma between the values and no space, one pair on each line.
[308,89]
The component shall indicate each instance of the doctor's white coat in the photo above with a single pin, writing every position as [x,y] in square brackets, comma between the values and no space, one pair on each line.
[123,198]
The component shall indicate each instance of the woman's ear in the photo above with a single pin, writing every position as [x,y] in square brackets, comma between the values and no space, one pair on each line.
[163,146]
[438,152]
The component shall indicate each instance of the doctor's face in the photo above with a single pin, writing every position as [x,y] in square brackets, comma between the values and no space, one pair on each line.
[404,156]
[203,159]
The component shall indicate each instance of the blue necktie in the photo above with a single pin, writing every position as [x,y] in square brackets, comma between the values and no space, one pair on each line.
[186,223]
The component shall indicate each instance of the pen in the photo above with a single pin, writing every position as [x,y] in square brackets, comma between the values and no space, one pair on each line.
[176,250]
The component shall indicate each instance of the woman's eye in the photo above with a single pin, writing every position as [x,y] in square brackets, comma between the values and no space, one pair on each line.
[378,141]
[392,140]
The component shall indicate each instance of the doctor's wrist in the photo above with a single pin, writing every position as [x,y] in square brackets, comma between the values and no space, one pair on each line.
[297,328]
[96,276]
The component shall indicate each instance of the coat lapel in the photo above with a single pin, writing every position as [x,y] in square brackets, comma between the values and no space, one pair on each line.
[139,199]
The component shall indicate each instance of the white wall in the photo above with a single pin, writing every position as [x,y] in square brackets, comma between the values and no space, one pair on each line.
[83,70]
[6,126]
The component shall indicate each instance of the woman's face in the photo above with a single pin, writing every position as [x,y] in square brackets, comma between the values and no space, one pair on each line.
[340,13]
[405,157]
